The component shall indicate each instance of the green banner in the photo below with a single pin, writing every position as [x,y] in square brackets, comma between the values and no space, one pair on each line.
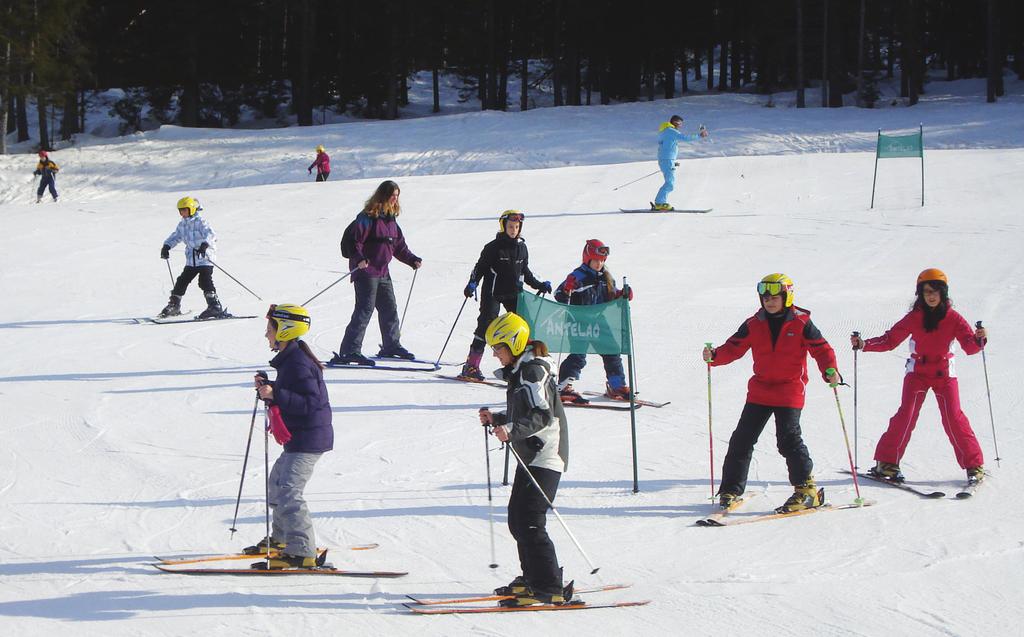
[577,329]
[900,146]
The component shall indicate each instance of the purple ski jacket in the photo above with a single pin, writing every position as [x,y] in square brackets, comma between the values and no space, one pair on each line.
[378,240]
[300,393]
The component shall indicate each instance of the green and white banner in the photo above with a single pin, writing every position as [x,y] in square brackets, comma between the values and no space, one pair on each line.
[577,329]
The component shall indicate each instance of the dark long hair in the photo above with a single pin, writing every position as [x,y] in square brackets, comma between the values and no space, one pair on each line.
[932,316]
[379,203]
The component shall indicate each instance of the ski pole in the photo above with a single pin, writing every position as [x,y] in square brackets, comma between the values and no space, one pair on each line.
[988,393]
[169,273]
[233,278]
[452,331]
[490,500]
[407,299]
[636,180]
[266,474]
[856,459]
[347,274]
[853,470]
[711,438]
[245,461]
[594,569]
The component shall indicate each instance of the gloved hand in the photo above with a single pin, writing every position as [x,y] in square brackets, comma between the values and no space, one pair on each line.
[202,249]
[569,284]
[470,289]
[165,252]
[677,164]
[309,171]
[37,173]
[545,287]
[627,292]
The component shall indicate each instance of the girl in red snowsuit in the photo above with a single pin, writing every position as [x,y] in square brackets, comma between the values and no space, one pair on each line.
[931,324]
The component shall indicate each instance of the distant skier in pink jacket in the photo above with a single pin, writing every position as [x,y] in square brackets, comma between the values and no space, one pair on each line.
[932,325]
[322,163]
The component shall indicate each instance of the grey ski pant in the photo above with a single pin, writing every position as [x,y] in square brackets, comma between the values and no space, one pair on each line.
[372,293]
[292,524]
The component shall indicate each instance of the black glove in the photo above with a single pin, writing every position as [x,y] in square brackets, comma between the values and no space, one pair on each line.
[165,252]
[545,287]
[470,289]
[202,249]
[37,173]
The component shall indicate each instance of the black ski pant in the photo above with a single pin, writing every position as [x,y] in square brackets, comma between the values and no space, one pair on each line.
[372,293]
[527,519]
[322,176]
[47,181]
[205,273]
[741,446]
[489,308]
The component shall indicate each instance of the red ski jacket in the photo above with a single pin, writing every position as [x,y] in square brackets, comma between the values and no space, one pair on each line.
[930,352]
[780,368]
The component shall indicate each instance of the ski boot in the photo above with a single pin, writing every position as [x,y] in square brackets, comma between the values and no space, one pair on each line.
[173,307]
[529,597]
[805,496]
[616,388]
[260,548]
[39,199]
[975,475]
[213,307]
[728,500]
[516,587]
[396,352]
[887,471]
[285,561]
[568,395]
[471,373]
[355,358]
[662,207]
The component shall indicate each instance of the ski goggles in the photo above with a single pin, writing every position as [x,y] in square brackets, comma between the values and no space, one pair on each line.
[274,313]
[515,216]
[774,288]
[602,251]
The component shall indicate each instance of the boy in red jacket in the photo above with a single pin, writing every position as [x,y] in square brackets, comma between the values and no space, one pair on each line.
[931,324]
[779,335]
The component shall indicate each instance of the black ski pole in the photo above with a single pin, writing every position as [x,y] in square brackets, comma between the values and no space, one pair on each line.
[233,278]
[988,393]
[407,299]
[245,461]
[490,499]
[169,273]
[636,180]
[450,332]
[347,275]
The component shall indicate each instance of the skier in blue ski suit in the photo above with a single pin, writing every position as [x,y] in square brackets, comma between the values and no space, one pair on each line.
[669,136]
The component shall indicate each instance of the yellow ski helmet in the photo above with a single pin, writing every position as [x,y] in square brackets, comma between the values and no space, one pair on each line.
[320,148]
[509,330]
[292,321]
[776,284]
[511,215]
[191,204]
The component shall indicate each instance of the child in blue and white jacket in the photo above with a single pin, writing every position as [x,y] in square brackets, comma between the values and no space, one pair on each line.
[591,284]
[200,244]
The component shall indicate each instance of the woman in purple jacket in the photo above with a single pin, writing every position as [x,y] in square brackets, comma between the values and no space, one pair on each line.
[377,239]
[301,396]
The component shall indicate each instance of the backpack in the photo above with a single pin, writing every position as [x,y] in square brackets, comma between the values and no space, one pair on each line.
[348,241]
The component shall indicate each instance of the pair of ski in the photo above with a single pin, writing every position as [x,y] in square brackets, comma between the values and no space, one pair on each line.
[967,491]
[458,606]
[719,518]
[183,318]
[389,364]
[653,210]
[584,405]
[173,565]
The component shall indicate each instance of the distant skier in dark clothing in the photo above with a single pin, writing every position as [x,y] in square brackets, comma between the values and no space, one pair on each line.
[47,170]
[504,265]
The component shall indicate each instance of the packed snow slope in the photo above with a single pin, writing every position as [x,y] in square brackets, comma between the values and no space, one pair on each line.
[123,441]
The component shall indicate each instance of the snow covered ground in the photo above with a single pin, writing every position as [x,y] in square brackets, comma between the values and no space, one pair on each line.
[122,441]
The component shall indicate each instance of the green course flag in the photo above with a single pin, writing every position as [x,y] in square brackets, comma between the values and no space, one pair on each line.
[577,329]
[896,146]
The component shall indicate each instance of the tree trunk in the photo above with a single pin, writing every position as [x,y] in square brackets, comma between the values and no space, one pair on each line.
[723,64]
[436,86]
[711,63]
[697,75]
[800,95]
[69,120]
[683,70]
[44,131]
[860,56]
[302,101]
[4,101]
[824,53]
[991,84]
[21,113]
[524,80]
[835,55]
